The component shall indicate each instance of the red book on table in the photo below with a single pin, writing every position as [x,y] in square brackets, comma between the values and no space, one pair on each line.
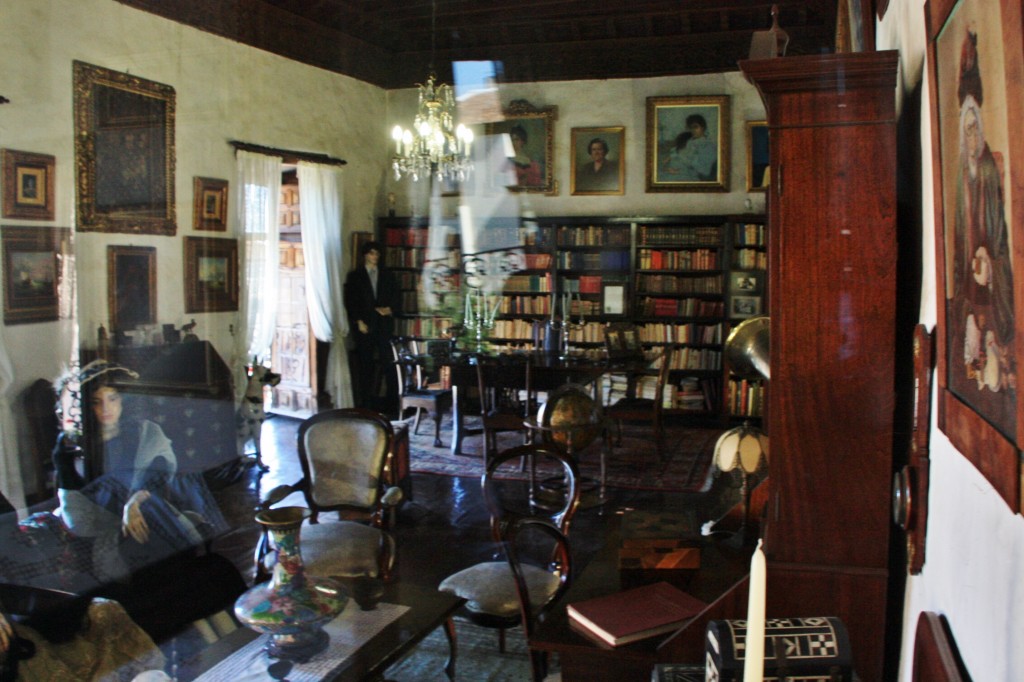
[635,614]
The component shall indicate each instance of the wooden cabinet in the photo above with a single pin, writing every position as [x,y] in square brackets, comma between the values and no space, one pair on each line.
[832,271]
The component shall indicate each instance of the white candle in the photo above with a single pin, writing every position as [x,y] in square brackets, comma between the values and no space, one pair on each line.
[753,664]
[465,317]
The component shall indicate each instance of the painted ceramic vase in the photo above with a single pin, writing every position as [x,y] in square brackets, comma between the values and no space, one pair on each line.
[292,607]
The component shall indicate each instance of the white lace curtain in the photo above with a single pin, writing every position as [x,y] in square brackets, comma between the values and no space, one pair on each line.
[256,221]
[320,207]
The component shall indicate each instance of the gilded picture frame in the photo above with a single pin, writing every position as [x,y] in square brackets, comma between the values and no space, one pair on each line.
[28,185]
[131,286]
[688,143]
[528,164]
[601,174]
[124,152]
[211,275]
[758,168]
[975,61]
[32,272]
[210,204]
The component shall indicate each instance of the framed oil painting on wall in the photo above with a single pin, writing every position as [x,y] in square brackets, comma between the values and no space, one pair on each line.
[688,144]
[598,161]
[758,174]
[131,286]
[124,152]
[28,185]
[210,204]
[211,275]
[976,100]
[528,154]
[32,272]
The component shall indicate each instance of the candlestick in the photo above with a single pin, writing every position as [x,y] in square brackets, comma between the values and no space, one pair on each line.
[753,663]
[465,316]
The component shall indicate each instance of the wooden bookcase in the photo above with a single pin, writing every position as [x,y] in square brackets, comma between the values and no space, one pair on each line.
[681,276]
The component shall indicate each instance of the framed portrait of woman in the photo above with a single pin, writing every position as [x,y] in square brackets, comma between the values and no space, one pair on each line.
[525,140]
[598,161]
[688,144]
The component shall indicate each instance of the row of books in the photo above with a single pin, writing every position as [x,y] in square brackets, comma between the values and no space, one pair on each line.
[750,259]
[537,261]
[745,398]
[658,235]
[424,327]
[672,284]
[525,305]
[584,284]
[692,358]
[689,259]
[750,234]
[680,307]
[530,283]
[407,280]
[592,235]
[405,259]
[604,260]
[512,329]
[681,333]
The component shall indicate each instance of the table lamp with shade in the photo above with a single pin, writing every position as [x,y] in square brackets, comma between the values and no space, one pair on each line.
[743,448]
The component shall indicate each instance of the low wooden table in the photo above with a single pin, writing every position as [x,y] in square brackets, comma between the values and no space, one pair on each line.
[428,610]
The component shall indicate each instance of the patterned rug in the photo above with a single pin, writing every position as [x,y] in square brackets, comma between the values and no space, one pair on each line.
[634,465]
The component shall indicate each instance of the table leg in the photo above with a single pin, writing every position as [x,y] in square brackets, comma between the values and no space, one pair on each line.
[449,665]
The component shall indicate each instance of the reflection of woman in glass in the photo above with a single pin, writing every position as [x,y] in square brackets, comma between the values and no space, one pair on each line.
[528,171]
[982,277]
[140,509]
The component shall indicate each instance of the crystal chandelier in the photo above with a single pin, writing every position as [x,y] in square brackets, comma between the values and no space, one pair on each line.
[433,145]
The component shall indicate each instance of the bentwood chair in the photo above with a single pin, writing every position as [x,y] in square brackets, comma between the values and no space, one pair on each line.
[534,563]
[648,409]
[343,453]
[414,393]
[506,397]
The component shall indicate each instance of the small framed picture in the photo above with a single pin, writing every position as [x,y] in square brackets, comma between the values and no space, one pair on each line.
[758,171]
[744,306]
[28,185]
[210,204]
[745,283]
[131,286]
[613,298]
[688,144]
[211,275]
[32,272]
[598,161]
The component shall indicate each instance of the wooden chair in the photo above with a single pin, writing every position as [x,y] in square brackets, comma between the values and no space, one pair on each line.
[415,393]
[343,453]
[536,567]
[506,398]
[636,408]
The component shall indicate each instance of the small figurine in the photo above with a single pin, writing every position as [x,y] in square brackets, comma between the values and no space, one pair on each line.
[188,330]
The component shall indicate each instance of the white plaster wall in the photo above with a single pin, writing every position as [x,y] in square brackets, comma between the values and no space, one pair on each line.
[224,91]
[975,548]
[606,103]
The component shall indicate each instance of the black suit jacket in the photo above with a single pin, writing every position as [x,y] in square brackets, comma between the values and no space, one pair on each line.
[360,304]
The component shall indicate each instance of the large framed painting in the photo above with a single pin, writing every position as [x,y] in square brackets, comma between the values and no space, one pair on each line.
[211,275]
[28,185]
[598,160]
[124,152]
[32,272]
[529,156]
[688,144]
[131,287]
[975,74]
[758,175]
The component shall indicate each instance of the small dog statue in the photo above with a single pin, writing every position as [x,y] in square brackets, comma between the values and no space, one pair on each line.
[251,414]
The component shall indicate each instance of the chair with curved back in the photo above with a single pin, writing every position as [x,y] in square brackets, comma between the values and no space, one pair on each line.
[414,391]
[506,397]
[534,571]
[343,453]
[637,408]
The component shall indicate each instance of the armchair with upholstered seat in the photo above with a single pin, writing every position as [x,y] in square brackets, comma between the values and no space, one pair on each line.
[343,453]
[534,569]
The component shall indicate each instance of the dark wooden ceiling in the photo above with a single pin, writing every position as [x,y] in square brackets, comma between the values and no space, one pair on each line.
[391,42]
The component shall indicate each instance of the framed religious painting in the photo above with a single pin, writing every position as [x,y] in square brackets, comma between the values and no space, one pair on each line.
[758,174]
[33,257]
[211,275]
[131,287]
[975,72]
[688,144]
[598,161]
[28,185]
[523,145]
[210,204]
[124,152]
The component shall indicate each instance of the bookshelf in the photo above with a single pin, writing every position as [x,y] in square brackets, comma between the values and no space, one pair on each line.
[681,274]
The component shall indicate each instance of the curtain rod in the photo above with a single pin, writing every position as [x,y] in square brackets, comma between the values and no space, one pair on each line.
[287,155]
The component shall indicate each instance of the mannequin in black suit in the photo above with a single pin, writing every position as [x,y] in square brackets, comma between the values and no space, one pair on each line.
[371,312]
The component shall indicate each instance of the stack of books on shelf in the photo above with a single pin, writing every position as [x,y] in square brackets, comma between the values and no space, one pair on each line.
[745,397]
[750,259]
[634,614]
[672,284]
[690,395]
[532,283]
[750,234]
[537,261]
[680,307]
[655,235]
[525,305]
[697,259]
